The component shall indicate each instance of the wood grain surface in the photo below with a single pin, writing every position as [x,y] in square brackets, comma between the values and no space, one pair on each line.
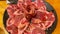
[54,3]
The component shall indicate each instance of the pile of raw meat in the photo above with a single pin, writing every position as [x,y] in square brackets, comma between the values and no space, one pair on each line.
[28,17]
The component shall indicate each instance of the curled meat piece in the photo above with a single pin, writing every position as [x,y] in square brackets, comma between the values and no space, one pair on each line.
[34,30]
[47,18]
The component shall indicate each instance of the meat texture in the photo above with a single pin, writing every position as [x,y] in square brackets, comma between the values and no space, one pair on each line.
[28,17]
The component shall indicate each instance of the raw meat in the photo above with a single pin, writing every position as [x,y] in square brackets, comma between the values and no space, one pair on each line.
[28,17]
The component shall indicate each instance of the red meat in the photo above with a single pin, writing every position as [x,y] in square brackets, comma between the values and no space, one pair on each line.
[27,17]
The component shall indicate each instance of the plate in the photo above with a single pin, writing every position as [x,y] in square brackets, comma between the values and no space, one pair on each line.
[49,8]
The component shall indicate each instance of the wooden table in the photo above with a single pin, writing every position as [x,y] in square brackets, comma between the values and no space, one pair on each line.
[54,3]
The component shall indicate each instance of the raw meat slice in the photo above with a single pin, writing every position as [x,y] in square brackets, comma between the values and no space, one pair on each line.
[27,17]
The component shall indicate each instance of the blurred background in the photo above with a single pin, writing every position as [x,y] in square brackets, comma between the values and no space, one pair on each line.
[2,0]
[54,3]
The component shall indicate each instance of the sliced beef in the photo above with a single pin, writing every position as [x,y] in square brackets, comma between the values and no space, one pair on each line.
[27,17]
